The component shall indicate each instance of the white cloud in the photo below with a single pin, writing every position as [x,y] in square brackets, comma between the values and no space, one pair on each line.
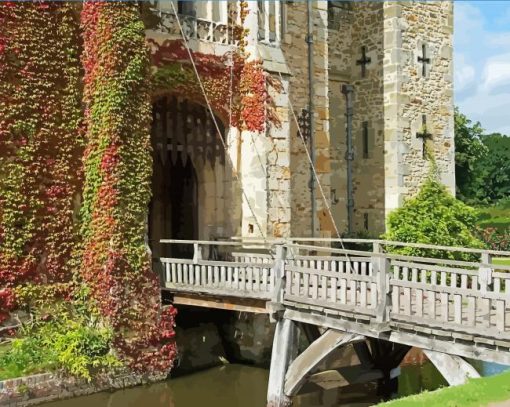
[464,73]
[496,73]
[482,66]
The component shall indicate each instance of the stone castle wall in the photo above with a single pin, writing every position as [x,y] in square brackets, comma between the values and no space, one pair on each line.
[391,99]
[409,95]
[353,29]
[295,50]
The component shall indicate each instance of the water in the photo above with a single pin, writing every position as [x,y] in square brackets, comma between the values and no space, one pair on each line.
[244,386]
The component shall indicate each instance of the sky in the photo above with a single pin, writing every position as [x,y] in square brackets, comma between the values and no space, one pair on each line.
[482,62]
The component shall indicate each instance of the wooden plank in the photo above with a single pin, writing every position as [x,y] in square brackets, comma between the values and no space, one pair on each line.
[471,311]
[431,299]
[179,273]
[419,302]
[343,291]
[395,299]
[449,290]
[319,304]
[315,286]
[210,276]
[363,294]
[174,272]
[218,292]
[406,301]
[444,306]
[500,315]
[353,292]
[167,272]
[225,303]
[457,309]
[322,273]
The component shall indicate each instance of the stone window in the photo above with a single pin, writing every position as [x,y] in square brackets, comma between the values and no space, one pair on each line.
[367,140]
[269,21]
[365,221]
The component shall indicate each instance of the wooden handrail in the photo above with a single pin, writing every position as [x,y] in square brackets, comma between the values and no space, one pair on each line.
[381,242]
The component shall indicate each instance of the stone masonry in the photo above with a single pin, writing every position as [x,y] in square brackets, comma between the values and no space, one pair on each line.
[407,48]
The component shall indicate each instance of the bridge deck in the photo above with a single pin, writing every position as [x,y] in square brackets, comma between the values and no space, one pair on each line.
[425,302]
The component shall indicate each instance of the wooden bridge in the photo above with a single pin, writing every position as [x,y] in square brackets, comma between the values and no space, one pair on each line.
[380,302]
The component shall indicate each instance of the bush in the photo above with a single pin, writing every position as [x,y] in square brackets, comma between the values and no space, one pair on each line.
[64,335]
[433,216]
[494,238]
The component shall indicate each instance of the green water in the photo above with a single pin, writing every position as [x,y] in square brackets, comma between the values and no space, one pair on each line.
[244,386]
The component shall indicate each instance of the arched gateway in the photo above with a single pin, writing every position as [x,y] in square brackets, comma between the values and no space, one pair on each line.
[190,181]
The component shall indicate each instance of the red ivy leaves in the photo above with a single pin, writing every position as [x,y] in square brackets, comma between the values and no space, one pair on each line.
[227,78]
[118,166]
[40,142]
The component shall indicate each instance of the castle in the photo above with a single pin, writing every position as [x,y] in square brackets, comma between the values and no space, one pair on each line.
[363,90]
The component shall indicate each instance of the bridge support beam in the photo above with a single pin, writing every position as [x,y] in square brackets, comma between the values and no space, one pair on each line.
[284,351]
[454,369]
[318,351]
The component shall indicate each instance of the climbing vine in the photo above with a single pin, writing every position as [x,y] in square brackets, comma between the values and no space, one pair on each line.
[117,164]
[236,86]
[230,81]
[40,144]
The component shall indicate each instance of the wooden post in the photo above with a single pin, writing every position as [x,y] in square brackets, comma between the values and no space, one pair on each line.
[278,271]
[197,253]
[485,272]
[283,352]
[381,267]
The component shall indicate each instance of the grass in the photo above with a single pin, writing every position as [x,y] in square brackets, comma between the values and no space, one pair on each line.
[4,347]
[476,393]
[502,261]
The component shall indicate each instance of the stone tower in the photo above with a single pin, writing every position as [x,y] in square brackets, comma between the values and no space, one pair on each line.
[397,57]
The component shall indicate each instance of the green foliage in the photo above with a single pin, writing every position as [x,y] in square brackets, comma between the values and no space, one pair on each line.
[68,337]
[491,182]
[468,150]
[434,216]
[482,163]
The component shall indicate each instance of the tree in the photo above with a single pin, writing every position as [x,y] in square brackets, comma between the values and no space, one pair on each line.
[492,171]
[469,148]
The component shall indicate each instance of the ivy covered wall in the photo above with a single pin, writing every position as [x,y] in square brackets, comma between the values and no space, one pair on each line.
[40,144]
[117,190]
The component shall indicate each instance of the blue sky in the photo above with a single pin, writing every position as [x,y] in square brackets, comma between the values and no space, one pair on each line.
[482,62]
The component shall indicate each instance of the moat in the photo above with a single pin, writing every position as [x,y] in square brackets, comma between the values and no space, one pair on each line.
[238,385]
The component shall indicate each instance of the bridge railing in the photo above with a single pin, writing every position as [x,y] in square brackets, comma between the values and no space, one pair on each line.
[230,270]
[458,297]
[472,299]
[467,298]
[351,283]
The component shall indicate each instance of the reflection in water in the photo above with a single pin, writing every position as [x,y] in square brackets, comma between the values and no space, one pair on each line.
[228,386]
[244,386]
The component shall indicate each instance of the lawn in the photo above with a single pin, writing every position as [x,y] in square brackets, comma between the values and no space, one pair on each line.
[476,393]
[502,261]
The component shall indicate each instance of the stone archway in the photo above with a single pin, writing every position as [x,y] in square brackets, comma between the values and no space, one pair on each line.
[192,186]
